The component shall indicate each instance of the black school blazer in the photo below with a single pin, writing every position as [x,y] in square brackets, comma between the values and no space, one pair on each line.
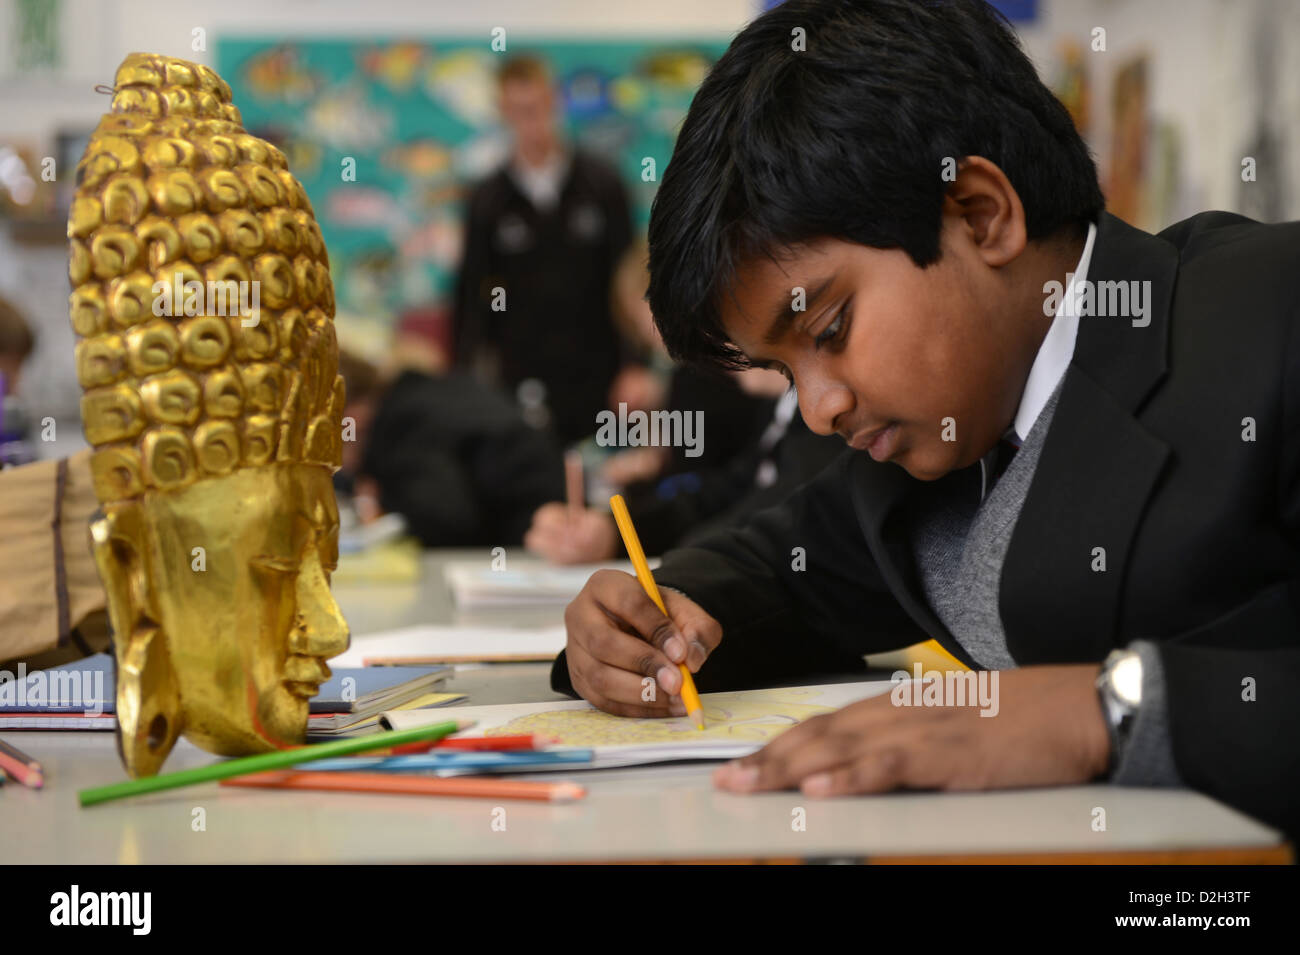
[1146,459]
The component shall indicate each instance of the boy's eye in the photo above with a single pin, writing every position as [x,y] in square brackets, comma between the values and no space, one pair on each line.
[832,331]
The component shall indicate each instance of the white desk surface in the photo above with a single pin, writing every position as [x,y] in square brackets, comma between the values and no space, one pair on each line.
[646,813]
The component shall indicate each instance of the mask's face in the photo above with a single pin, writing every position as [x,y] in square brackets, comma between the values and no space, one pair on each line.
[220,597]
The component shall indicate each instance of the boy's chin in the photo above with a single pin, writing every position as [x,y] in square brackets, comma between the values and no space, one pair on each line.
[920,466]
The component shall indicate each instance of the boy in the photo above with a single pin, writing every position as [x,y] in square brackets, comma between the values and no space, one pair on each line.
[543,235]
[882,200]
[451,455]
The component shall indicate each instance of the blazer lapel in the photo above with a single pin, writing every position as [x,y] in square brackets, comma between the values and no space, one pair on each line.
[1064,572]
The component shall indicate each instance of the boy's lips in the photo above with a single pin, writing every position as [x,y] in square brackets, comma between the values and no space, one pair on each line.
[878,442]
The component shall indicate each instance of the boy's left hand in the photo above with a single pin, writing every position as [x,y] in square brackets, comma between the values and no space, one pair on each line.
[1049,730]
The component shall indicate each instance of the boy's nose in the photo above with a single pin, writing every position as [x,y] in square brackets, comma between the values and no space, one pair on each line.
[822,403]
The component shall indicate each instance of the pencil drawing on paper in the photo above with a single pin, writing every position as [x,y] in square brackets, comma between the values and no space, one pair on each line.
[752,716]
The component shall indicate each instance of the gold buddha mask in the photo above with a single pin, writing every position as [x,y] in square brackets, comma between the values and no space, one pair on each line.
[204,311]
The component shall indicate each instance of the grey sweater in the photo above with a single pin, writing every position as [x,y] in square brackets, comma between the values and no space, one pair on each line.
[959,547]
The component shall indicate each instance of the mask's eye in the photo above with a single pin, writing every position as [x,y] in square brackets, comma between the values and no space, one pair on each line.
[270,564]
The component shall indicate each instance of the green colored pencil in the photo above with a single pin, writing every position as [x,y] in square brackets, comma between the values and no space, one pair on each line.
[281,759]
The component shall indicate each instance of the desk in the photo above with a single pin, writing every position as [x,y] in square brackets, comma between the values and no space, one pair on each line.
[678,814]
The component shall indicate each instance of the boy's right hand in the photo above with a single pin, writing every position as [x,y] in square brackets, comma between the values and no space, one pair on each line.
[618,639]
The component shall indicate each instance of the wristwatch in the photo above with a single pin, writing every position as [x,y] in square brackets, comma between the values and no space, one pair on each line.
[1119,685]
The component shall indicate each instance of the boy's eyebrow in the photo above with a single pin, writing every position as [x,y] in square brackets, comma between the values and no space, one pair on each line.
[785,314]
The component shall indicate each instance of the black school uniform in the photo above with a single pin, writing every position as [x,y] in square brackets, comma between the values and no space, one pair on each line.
[555,267]
[1175,446]
[456,459]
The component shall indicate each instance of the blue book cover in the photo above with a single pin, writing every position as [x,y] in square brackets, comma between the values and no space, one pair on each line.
[481,760]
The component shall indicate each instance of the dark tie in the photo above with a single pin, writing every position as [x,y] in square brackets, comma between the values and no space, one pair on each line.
[1002,455]
[1006,451]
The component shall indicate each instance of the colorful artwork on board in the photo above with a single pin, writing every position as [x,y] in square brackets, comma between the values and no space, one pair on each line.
[415,124]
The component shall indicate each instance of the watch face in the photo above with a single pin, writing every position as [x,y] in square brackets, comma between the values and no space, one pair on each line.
[1126,679]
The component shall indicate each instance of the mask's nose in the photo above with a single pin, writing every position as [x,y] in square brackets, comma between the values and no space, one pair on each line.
[324,632]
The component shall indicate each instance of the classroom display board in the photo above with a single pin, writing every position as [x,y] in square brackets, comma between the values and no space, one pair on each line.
[386,137]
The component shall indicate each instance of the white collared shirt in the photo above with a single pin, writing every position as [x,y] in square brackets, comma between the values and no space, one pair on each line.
[542,184]
[1050,363]
[1055,352]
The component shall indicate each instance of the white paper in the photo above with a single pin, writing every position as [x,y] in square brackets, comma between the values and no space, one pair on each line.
[474,583]
[454,644]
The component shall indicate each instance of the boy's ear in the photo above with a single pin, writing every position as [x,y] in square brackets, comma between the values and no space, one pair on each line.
[148,700]
[990,206]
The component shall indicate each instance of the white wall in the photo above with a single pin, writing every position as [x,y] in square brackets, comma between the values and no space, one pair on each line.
[1200,76]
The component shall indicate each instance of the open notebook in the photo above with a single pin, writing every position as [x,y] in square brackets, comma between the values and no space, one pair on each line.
[736,724]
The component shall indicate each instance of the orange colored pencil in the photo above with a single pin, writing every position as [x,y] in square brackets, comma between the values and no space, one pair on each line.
[411,785]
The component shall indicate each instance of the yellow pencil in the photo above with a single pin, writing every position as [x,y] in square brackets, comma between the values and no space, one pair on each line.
[691,698]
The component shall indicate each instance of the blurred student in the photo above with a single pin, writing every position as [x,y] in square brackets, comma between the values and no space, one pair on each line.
[542,237]
[685,508]
[735,406]
[451,455]
[16,345]
[756,450]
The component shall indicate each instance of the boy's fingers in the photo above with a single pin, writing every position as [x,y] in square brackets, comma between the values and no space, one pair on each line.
[614,690]
[688,636]
[700,631]
[590,626]
[622,597]
[626,653]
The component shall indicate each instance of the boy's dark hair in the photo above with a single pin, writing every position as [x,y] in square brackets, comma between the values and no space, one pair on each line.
[16,338]
[523,68]
[846,139]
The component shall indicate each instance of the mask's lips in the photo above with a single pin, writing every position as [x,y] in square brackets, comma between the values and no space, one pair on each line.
[305,688]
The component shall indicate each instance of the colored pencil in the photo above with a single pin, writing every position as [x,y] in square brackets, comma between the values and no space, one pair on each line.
[412,785]
[21,766]
[450,759]
[495,743]
[281,759]
[691,698]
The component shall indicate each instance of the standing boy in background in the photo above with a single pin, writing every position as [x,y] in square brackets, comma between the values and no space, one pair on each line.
[543,235]
[899,215]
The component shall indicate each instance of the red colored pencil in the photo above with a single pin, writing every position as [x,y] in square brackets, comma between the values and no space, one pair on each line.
[21,766]
[489,743]
[463,786]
